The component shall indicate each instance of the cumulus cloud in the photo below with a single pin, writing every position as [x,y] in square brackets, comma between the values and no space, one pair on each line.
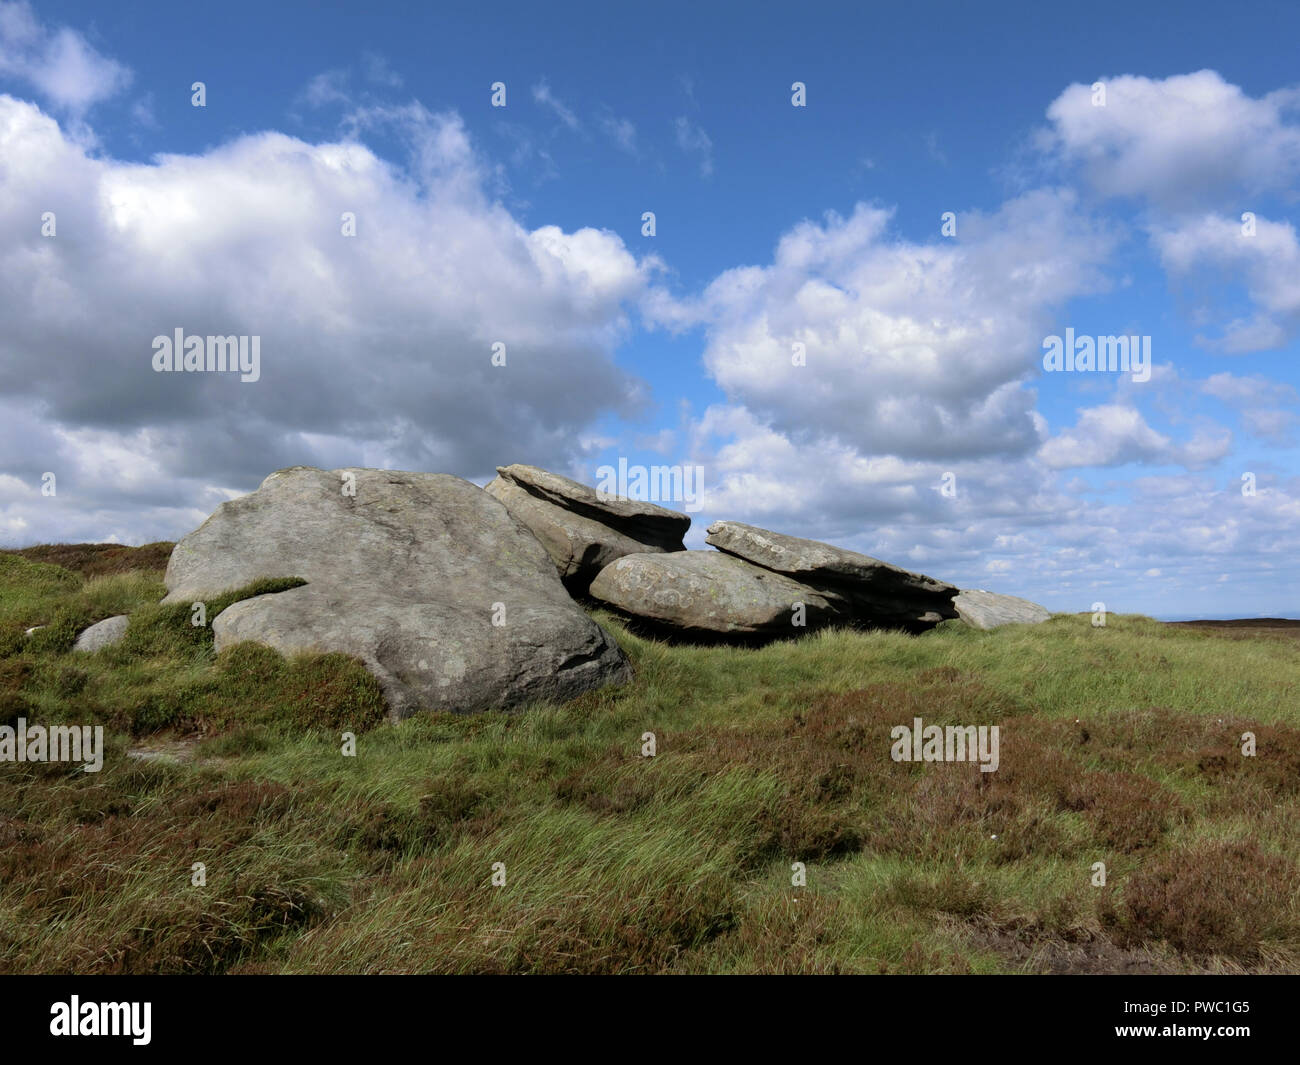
[766,476]
[1183,141]
[58,63]
[909,349]
[1115,435]
[1008,524]
[1195,151]
[911,431]
[1267,408]
[1247,391]
[879,390]
[376,349]
[1267,262]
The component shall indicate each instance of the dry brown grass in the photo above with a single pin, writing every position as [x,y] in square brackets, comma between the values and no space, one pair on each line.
[98,560]
[1118,745]
[1208,899]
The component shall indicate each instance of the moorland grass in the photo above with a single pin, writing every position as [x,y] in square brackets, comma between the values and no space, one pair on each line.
[1119,745]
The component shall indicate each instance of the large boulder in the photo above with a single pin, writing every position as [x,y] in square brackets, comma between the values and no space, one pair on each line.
[582,530]
[707,593]
[988,610]
[407,572]
[865,589]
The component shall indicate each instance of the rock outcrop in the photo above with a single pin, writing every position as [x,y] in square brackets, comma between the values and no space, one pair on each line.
[581,531]
[458,598]
[426,578]
[864,590]
[988,610]
[707,593]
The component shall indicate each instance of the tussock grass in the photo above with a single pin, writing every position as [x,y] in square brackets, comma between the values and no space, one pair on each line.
[1118,745]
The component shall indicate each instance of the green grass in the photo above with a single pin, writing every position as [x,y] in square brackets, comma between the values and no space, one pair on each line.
[1118,745]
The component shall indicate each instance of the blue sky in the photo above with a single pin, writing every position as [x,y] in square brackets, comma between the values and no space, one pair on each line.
[774,225]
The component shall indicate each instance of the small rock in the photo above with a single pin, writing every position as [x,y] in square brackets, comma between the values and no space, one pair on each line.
[988,610]
[102,634]
[172,750]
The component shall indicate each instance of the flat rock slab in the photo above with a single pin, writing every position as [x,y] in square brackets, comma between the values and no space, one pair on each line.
[708,592]
[102,634]
[871,591]
[424,577]
[582,530]
[988,610]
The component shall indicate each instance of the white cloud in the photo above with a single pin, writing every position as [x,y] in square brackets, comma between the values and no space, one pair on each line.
[326,88]
[58,63]
[922,357]
[377,71]
[1115,435]
[920,362]
[933,150]
[1267,262]
[142,112]
[693,140]
[916,350]
[622,132]
[1257,399]
[1064,547]
[662,442]
[1275,426]
[1247,391]
[335,87]
[543,95]
[376,349]
[1182,141]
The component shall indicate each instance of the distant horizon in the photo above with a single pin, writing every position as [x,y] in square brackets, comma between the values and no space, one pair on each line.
[1246,617]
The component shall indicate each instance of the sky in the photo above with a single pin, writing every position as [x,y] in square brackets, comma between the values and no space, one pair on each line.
[869,221]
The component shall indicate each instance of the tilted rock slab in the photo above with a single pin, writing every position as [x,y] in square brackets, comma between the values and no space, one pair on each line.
[707,592]
[583,532]
[865,589]
[988,610]
[404,575]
